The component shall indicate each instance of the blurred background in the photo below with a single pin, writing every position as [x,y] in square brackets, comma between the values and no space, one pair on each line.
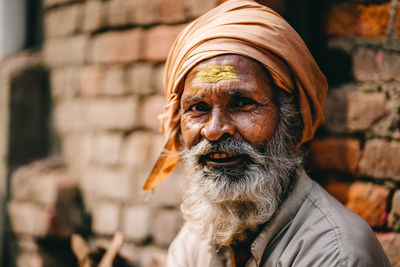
[81,85]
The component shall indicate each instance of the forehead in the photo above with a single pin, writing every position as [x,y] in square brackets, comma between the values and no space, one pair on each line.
[227,72]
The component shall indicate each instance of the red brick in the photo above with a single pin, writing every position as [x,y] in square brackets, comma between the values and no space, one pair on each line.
[370,65]
[397,24]
[352,111]
[29,219]
[145,12]
[67,51]
[114,83]
[91,80]
[149,111]
[112,114]
[116,47]
[140,77]
[394,216]
[136,223]
[107,148]
[158,42]
[94,13]
[391,244]
[166,225]
[105,218]
[381,159]
[351,19]
[197,8]
[339,190]
[172,11]
[369,201]
[64,83]
[108,183]
[337,154]
[63,21]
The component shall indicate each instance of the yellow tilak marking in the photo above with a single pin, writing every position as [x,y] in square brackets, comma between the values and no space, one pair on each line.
[216,73]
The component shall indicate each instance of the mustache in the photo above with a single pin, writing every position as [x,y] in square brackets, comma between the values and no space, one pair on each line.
[226,145]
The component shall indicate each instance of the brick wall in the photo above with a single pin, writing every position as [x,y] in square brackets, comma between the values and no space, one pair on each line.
[106,62]
[356,155]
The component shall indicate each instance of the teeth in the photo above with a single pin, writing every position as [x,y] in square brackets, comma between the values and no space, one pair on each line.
[216,155]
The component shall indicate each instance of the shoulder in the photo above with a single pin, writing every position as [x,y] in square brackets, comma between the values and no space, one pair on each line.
[331,225]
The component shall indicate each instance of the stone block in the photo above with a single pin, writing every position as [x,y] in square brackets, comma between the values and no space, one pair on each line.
[50,3]
[394,216]
[158,40]
[105,218]
[150,109]
[70,116]
[94,16]
[63,21]
[136,223]
[376,65]
[381,159]
[108,183]
[172,11]
[337,154]
[391,244]
[41,182]
[197,8]
[65,51]
[166,226]
[158,81]
[145,12]
[112,113]
[357,20]
[30,219]
[76,150]
[64,83]
[140,77]
[118,12]
[353,111]
[114,83]
[137,148]
[107,148]
[116,47]
[91,80]
[369,201]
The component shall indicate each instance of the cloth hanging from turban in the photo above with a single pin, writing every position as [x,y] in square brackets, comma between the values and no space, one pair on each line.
[246,28]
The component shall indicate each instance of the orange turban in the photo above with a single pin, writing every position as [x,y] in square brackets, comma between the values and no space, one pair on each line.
[246,28]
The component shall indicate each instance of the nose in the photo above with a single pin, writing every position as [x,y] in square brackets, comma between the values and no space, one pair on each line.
[218,124]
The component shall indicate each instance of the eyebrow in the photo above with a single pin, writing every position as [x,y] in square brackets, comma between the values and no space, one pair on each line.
[234,92]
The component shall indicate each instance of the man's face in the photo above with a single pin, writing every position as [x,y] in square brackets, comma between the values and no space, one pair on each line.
[228,96]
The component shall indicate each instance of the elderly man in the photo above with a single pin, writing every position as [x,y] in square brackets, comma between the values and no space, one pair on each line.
[243,94]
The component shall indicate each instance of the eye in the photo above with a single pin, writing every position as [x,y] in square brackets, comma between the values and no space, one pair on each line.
[199,107]
[244,102]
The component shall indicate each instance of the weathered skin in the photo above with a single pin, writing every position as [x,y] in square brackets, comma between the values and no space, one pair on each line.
[240,105]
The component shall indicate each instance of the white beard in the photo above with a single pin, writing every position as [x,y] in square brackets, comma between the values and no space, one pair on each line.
[224,204]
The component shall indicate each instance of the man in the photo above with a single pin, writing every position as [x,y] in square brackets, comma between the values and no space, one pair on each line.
[243,94]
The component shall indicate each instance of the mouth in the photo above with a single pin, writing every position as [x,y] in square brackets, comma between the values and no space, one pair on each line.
[222,159]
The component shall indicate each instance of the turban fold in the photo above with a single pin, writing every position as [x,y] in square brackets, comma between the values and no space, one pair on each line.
[246,28]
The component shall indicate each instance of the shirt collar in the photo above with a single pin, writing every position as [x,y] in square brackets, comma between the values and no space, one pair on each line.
[284,215]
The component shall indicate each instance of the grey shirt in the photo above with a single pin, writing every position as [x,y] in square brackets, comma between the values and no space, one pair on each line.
[311,228]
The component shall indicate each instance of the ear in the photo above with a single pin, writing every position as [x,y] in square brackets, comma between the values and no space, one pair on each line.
[112,251]
[79,247]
